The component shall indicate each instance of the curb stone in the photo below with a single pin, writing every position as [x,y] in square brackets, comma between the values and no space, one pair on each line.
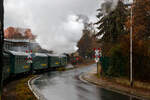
[35,90]
[83,78]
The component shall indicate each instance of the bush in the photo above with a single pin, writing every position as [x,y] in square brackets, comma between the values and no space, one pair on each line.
[105,64]
[141,60]
[118,62]
[119,59]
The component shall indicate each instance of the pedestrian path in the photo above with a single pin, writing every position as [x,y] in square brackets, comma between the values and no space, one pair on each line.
[112,85]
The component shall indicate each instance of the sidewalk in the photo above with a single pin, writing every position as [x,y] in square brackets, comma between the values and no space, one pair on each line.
[116,85]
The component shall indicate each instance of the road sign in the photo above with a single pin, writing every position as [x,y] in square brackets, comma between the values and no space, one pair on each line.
[98,54]
[29,57]
[77,58]
[101,54]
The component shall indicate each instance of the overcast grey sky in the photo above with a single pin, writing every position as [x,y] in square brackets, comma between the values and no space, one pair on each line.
[53,21]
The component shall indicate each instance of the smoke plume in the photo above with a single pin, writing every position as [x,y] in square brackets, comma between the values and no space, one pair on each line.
[57,24]
[108,5]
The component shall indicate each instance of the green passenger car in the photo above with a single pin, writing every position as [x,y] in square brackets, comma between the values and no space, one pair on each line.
[40,61]
[6,68]
[63,60]
[18,62]
[53,60]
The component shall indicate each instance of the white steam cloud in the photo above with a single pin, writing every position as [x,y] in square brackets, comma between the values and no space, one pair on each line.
[57,23]
[64,36]
[109,5]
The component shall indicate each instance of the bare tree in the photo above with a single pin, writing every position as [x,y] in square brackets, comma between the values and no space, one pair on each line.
[1,42]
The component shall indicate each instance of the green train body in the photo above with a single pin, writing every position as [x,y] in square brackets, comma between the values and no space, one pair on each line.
[57,60]
[63,60]
[16,63]
[53,61]
[6,68]
[40,61]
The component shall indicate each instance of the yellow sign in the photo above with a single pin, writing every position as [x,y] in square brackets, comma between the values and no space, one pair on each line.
[8,70]
[26,67]
[57,63]
[43,65]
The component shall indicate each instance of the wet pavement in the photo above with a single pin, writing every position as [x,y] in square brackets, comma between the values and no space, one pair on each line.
[67,86]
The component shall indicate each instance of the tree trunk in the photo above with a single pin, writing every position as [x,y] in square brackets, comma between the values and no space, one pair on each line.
[1,42]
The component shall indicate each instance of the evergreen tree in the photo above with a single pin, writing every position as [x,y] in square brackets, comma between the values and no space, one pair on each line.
[112,25]
[84,44]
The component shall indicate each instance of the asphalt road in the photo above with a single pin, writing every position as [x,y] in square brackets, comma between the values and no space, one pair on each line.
[67,86]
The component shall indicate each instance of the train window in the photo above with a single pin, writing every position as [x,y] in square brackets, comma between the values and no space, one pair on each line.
[20,60]
[23,59]
[7,60]
[4,60]
[17,60]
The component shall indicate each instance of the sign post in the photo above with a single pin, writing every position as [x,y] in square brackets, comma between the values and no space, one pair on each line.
[97,56]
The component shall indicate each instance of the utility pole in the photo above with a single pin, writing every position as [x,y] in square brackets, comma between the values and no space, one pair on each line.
[1,43]
[131,41]
[131,67]
[129,4]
